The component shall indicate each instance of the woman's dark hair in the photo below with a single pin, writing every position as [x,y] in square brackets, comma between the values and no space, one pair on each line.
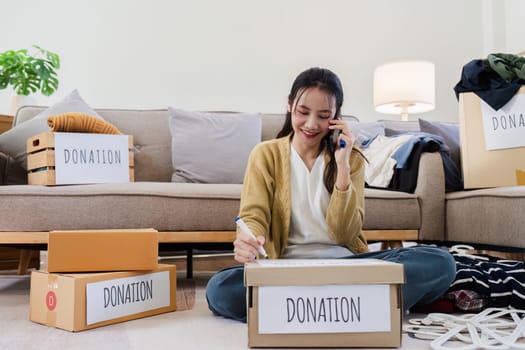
[327,81]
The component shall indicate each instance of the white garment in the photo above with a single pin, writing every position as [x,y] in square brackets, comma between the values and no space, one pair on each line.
[308,236]
[380,166]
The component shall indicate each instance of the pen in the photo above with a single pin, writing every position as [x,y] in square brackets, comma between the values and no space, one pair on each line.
[247,231]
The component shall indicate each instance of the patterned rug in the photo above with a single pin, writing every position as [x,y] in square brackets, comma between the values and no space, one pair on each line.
[185,294]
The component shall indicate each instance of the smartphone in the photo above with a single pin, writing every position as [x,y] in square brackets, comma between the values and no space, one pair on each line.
[335,136]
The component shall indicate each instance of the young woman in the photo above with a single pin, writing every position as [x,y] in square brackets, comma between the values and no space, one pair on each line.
[303,197]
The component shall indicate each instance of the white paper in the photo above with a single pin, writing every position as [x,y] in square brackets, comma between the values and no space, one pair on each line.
[107,300]
[504,128]
[318,262]
[324,309]
[91,158]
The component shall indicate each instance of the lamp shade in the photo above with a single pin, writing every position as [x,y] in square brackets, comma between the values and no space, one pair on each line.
[404,87]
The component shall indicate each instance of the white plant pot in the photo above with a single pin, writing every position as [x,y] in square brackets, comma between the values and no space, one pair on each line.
[18,101]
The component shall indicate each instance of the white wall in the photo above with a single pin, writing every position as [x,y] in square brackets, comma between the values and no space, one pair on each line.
[513,24]
[243,55]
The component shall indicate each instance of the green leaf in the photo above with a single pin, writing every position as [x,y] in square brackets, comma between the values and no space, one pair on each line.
[29,73]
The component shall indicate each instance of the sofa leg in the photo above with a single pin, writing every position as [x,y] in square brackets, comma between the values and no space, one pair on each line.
[23,263]
[189,263]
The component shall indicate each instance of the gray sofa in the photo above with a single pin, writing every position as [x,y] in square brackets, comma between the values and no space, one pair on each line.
[489,218]
[191,213]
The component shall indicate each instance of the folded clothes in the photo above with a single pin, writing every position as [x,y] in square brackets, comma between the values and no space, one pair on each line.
[80,122]
[468,300]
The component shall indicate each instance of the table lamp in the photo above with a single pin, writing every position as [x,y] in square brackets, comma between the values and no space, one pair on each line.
[404,87]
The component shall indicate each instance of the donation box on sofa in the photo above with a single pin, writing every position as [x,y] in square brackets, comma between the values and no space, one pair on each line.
[60,158]
[324,303]
[492,142]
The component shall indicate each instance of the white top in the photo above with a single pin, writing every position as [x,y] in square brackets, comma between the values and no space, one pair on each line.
[380,169]
[308,237]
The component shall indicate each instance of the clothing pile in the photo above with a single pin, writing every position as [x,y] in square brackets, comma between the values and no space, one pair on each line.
[393,162]
[482,281]
[495,79]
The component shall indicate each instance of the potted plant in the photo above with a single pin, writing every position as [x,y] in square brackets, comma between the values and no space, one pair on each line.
[29,73]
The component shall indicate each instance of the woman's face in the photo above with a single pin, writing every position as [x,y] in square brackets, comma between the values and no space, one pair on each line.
[311,111]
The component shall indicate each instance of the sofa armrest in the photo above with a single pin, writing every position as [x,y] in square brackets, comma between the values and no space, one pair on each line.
[4,161]
[11,173]
[430,190]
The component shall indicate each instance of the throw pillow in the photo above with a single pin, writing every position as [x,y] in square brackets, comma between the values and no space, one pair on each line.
[212,147]
[364,132]
[13,141]
[396,132]
[399,127]
[450,134]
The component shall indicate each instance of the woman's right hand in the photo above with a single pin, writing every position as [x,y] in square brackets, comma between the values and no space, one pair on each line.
[245,248]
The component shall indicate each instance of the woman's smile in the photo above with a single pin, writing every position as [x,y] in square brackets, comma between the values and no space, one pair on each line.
[309,134]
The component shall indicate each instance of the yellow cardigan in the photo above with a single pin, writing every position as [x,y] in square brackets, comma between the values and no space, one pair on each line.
[265,199]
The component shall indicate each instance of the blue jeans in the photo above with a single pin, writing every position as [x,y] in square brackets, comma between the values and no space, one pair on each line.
[429,272]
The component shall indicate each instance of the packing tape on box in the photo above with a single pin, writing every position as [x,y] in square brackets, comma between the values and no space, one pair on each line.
[51,300]
[520,177]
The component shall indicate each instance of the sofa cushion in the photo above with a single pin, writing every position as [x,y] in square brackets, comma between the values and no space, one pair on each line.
[391,210]
[151,137]
[212,147]
[164,206]
[492,216]
[13,141]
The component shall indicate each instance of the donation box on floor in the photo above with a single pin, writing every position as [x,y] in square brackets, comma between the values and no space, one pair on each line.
[324,303]
[79,301]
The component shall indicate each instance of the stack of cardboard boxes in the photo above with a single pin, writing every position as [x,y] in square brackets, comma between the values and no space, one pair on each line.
[100,277]
[94,277]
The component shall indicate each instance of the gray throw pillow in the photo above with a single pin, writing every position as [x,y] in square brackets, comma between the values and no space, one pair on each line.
[396,132]
[366,131]
[212,147]
[13,141]
[399,127]
[450,134]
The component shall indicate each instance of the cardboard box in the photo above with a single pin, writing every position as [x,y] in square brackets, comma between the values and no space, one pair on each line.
[56,158]
[324,303]
[482,167]
[76,302]
[102,250]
